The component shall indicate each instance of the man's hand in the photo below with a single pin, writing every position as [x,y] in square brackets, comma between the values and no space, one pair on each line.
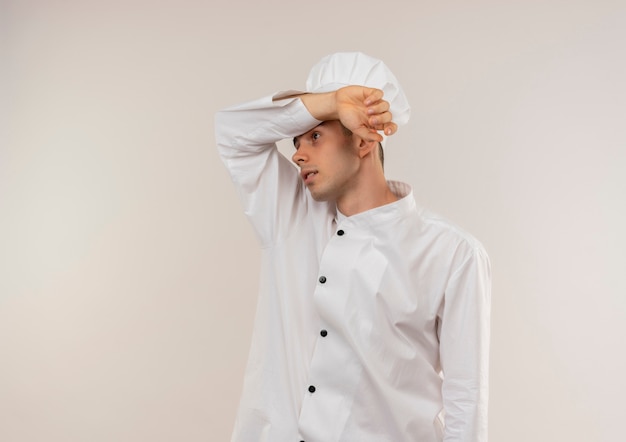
[364,111]
[360,109]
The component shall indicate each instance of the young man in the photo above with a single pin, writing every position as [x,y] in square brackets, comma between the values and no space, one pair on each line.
[372,321]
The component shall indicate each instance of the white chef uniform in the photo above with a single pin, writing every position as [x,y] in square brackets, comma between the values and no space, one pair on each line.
[368,327]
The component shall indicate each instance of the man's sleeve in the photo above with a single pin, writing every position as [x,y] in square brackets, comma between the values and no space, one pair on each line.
[464,349]
[268,184]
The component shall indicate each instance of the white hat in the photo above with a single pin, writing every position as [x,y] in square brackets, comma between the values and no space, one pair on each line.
[355,68]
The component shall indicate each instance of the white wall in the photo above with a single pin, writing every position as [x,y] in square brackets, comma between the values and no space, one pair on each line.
[128,272]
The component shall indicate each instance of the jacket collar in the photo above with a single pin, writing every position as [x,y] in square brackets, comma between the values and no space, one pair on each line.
[382,214]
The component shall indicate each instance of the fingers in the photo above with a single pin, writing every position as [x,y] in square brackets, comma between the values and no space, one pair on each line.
[378,107]
[390,128]
[383,122]
[378,121]
[379,116]
[368,134]
[372,133]
[365,112]
[372,96]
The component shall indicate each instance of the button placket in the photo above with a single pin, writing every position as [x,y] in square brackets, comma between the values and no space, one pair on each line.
[331,364]
[325,352]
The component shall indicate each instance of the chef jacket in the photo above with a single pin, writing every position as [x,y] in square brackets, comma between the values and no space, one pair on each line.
[369,328]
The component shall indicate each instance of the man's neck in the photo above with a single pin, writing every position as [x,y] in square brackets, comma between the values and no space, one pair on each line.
[366,197]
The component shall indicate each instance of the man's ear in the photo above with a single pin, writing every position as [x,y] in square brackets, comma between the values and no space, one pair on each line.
[366,147]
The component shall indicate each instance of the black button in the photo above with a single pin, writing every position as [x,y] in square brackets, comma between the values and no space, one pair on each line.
[322,279]
[323,333]
[311,389]
[340,232]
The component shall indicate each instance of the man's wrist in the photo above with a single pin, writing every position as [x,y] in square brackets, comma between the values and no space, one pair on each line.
[322,106]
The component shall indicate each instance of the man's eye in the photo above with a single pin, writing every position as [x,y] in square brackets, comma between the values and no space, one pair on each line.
[315,135]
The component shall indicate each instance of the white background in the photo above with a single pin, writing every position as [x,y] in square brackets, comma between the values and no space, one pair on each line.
[128,272]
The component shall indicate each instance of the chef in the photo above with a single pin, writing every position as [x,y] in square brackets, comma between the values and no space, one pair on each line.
[372,319]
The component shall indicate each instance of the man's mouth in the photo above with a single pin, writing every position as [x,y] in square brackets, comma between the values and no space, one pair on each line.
[308,175]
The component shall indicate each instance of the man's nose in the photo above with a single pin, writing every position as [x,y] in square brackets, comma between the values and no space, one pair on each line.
[299,156]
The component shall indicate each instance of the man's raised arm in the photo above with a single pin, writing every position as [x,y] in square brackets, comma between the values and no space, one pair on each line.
[269,187]
[360,109]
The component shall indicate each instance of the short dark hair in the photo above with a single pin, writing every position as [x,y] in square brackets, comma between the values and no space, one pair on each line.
[381,154]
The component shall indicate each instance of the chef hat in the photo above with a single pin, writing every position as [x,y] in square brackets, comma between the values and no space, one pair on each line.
[355,68]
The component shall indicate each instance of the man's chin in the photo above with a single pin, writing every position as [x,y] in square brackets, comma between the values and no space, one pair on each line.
[319,197]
